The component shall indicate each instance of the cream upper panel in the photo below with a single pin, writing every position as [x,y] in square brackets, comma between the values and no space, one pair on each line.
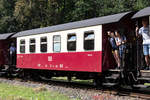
[80,39]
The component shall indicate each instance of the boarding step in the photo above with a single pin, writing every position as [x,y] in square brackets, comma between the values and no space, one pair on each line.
[114,70]
[145,73]
[113,76]
[109,84]
[6,67]
[1,73]
[4,70]
[141,86]
[144,78]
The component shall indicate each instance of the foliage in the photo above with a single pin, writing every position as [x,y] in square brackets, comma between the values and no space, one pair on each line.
[7,20]
[18,15]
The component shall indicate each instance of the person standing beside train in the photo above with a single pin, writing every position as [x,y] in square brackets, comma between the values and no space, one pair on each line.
[12,53]
[115,49]
[121,43]
[144,32]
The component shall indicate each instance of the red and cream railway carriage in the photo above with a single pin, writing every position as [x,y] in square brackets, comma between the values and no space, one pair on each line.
[77,47]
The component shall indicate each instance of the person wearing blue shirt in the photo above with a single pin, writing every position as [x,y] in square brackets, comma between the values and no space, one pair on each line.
[12,49]
[12,53]
[145,33]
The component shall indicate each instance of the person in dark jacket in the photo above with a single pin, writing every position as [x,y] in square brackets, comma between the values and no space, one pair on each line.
[12,53]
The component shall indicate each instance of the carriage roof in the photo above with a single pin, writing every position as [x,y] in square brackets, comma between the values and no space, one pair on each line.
[5,36]
[74,25]
[142,13]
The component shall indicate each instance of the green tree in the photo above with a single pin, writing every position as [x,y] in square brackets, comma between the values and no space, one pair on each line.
[18,15]
[140,4]
[36,13]
[83,9]
[7,21]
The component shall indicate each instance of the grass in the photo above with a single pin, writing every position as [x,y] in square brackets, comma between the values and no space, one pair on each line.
[73,80]
[11,92]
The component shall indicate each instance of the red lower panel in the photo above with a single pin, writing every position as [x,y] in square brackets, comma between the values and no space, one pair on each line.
[72,61]
[4,52]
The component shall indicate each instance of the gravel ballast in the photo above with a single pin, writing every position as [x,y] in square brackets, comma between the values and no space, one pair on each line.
[74,93]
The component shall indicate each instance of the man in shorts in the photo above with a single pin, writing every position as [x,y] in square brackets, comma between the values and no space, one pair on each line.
[144,31]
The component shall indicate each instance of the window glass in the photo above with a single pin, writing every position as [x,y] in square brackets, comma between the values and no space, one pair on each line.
[32,41]
[22,41]
[57,43]
[57,38]
[71,44]
[22,46]
[44,39]
[32,45]
[89,38]
[43,44]
[56,47]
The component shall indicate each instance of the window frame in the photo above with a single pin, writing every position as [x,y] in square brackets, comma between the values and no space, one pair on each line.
[88,32]
[56,42]
[73,34]
[41,43]
[32,44]
[22,44]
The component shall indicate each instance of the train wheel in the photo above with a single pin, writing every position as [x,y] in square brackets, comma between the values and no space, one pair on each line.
[69,78]
[43,76]
[98,82]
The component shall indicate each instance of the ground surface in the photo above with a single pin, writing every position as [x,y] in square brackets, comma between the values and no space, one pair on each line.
[35,89]
[12,92]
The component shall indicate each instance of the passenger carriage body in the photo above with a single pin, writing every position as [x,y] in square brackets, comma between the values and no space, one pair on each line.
[5,42]
[81,46]
[63,50]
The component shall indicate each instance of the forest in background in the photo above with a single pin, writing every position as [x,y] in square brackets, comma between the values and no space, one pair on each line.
[19,15]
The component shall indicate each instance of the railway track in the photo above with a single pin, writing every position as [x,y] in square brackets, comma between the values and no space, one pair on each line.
[140,94]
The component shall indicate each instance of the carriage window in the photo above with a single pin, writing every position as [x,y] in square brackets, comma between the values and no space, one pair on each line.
[32,45]
[89,40]
[22,46]
[56,43]
[44,44]
[71,43]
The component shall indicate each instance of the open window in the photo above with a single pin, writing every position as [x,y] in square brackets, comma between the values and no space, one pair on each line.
[43,44]
[56,43]
[22,46]
[71,42]
[89,38]
[32,45]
